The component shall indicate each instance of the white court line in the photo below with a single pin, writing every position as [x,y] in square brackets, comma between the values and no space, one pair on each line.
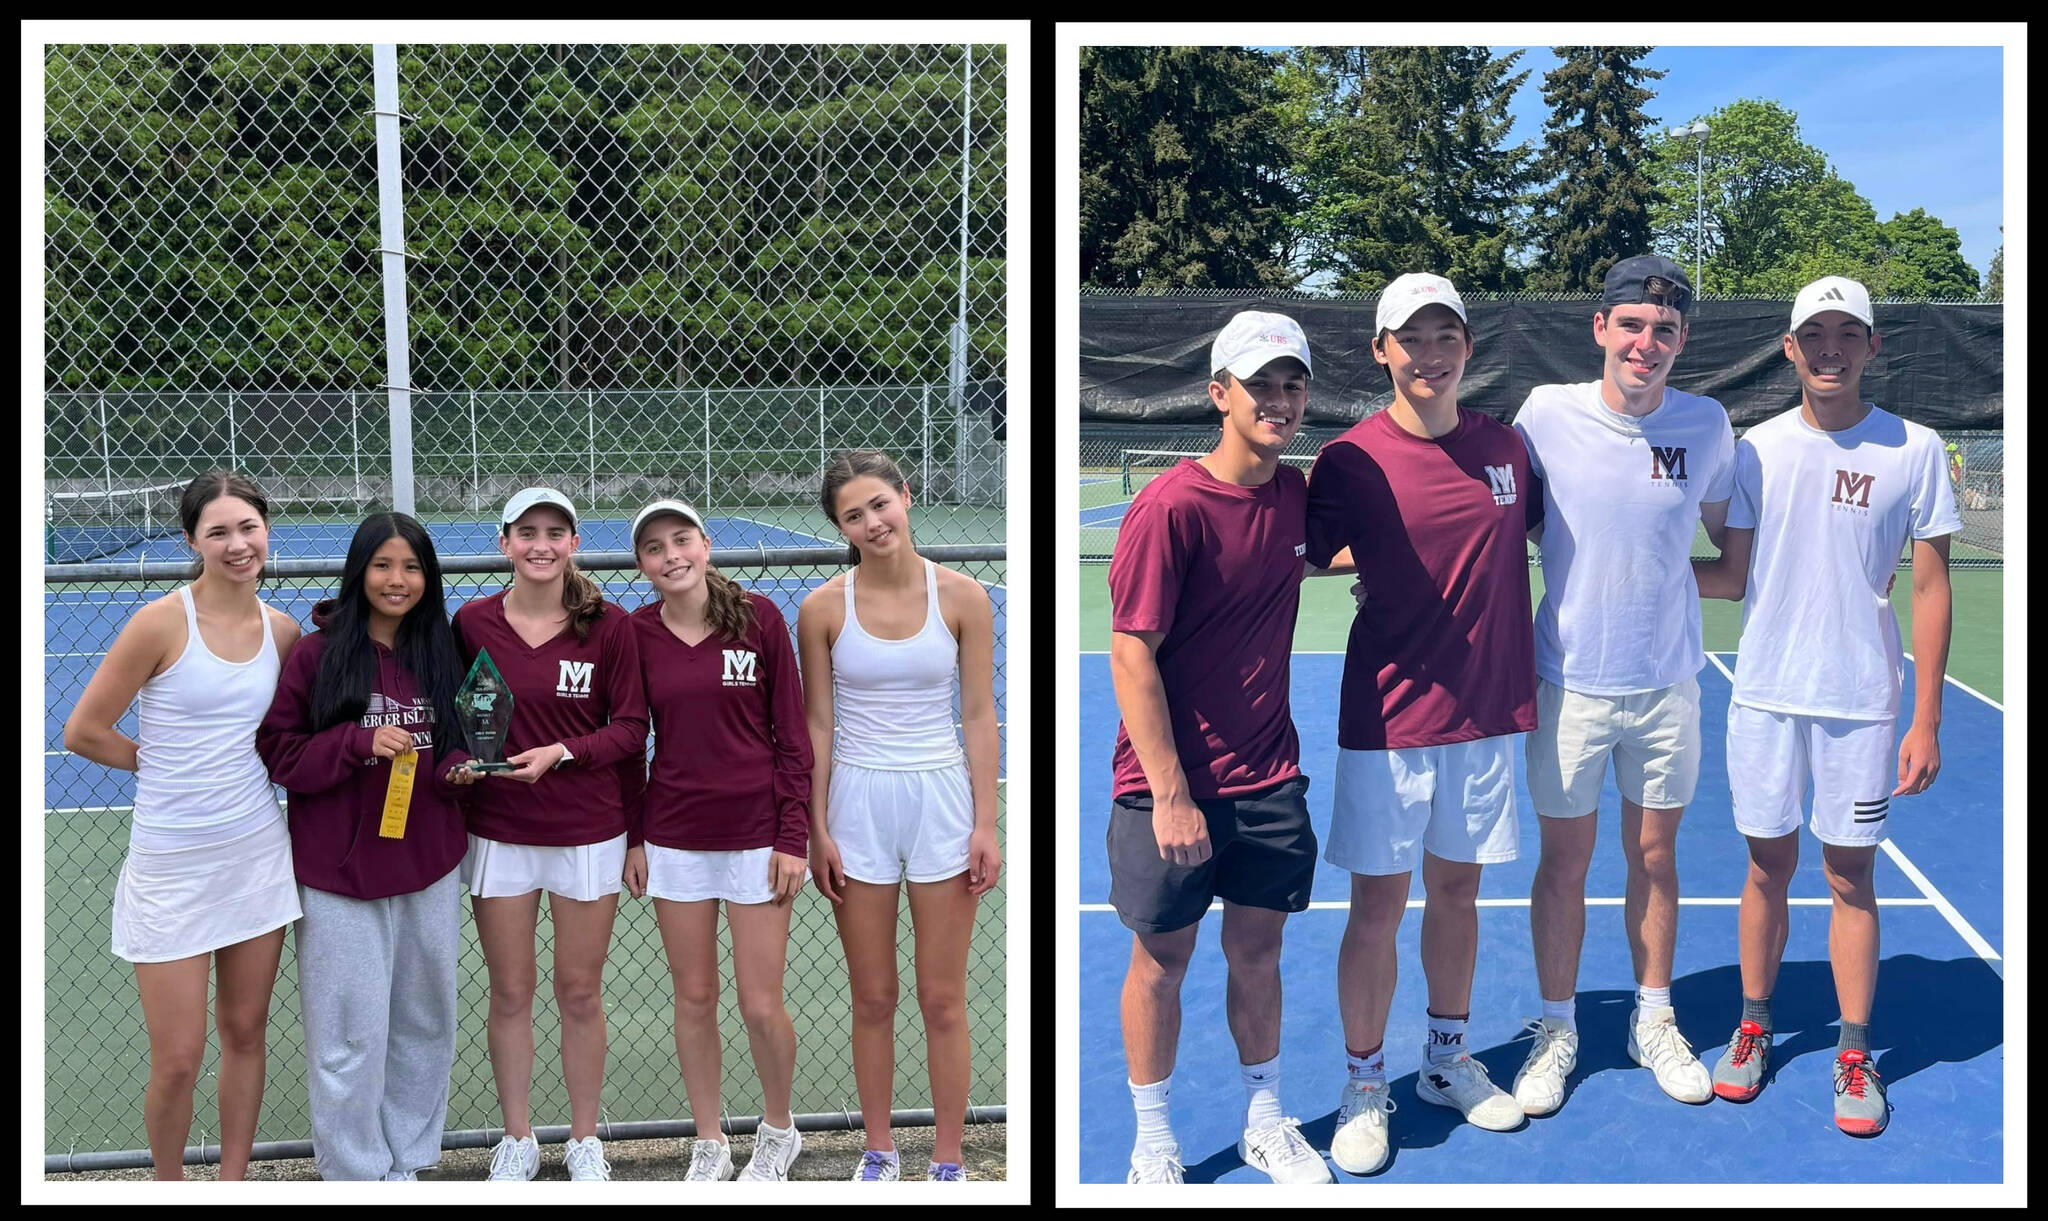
[1417,904]
[1948,910]
[771,526]
[1967,687]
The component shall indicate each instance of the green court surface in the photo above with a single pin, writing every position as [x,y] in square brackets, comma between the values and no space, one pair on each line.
[1976,649]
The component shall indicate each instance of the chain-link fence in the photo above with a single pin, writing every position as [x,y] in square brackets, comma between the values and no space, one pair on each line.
[97,1052]
[622,271]
[1115,462]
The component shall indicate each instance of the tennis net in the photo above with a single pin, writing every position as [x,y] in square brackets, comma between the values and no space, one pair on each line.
[91,525]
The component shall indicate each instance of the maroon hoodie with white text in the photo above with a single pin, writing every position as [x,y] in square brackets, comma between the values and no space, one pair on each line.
[336,786]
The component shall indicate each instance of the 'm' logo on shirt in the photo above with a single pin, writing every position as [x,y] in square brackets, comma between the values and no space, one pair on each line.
[1503,480]
[1667,462]
[1852,489]
[739,668]
[575,680]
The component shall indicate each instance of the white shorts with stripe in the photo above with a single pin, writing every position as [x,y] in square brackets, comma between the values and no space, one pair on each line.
[1773,757]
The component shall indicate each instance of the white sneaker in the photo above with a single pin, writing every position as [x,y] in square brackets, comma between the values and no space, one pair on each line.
[1278,1152]
[1162,1165]
[877,1168]
[775,1150]
[1654,1043]
[1539,1087]
[515,1160]
[1360,1146]
[586,1161]
[710,1162]
[1462,1085]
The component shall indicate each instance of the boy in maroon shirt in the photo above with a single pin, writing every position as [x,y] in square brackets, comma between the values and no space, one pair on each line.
[1434,501]
[1209,797]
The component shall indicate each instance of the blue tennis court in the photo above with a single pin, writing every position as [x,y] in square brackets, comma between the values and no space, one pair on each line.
[1937,1028]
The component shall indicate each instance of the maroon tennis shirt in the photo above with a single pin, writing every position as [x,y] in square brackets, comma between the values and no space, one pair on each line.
[1443,649]
[732,754]
[584,694]
[1216,567]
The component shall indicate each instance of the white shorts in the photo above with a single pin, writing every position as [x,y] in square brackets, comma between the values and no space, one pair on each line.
[685,875]
[1653,736]
[1772,757]
[895,826]
[180,902]
[492,869]
[1457,801]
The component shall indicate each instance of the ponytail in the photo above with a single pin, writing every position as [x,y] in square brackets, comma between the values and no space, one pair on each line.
[582,598]
[729,611]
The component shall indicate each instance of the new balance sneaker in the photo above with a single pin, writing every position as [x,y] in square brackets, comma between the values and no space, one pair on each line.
[1279,1152]
[877,1167]
[710,1162]
[1539,1087]
[1360,1145]
[1654,1043]
[515,1160]
[944,1172]
[1462,1085]
[1162,1165]
[1860,1105]
[1739,1076]
[586,1161]
[775,1150]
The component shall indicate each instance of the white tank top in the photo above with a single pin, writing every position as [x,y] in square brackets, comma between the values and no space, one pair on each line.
[894,698]
[198,778]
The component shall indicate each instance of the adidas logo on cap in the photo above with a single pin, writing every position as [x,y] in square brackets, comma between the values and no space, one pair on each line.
[1833,294]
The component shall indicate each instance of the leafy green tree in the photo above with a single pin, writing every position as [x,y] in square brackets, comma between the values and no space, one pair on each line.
[1405,164]
[1921,257]
[1180,170]
[1777,215]
[1994,283]
[1596,210]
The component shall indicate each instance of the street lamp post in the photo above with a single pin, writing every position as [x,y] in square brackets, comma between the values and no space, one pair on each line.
[1697,132]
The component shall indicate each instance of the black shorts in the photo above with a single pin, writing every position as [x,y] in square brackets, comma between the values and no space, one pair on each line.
[1263,854]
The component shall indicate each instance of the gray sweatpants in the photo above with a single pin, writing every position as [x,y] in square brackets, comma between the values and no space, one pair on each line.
[377,989]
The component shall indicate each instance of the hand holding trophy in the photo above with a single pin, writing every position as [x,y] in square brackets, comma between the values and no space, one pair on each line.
[483,707]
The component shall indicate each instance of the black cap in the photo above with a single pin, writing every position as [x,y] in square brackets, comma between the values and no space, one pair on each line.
[1625,280]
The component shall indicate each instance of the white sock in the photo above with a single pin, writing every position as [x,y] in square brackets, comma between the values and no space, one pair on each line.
[1153,1131]
[1372,1066]
[1566,1011]
[1261,1094]
[1446,1038]
[1653,998]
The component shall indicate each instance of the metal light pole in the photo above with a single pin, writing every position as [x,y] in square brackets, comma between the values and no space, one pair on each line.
[1697,131]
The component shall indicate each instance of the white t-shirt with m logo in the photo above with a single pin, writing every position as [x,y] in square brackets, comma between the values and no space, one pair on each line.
[1833,512]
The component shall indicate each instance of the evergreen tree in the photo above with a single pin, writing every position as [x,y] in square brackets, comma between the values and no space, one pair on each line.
[1405,166]
[1596,210]
[1181,166]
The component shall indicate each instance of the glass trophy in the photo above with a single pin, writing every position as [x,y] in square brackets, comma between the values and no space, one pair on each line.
[483,707]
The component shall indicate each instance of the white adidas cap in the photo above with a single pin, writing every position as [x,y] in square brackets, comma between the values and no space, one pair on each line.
[527,498]
[1832,292]
[1252,339]
[1408,293]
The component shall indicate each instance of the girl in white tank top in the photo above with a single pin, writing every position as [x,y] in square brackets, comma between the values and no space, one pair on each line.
[207,885]
[894,796]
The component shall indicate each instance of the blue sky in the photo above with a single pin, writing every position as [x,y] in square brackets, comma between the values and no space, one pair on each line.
[1911,127]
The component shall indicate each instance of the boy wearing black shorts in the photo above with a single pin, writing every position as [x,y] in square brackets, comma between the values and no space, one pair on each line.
[1209,795]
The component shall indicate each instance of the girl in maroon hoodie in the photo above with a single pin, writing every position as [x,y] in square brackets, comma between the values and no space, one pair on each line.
[557,823]
[365,697]
[727,816]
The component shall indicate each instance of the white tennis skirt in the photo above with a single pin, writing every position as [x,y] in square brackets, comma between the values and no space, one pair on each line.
[684,875]
[176,903]
[584,872]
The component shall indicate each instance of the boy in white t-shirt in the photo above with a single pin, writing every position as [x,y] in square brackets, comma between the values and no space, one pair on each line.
[1828,494]
[1629,467]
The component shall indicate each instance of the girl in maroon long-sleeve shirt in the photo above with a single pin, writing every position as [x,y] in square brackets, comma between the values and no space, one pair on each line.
[558,821]
[370,691]
[726,815]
